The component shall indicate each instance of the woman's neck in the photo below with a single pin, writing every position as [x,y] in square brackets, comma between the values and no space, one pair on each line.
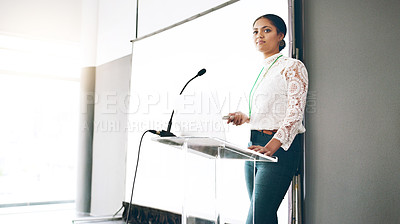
[269,54]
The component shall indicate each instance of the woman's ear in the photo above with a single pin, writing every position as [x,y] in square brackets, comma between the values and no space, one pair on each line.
[281,36]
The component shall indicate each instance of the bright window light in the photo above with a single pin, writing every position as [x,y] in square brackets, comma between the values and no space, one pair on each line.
[39,96]
[39,57]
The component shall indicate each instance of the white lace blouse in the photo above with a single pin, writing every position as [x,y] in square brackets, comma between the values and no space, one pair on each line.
[280,98]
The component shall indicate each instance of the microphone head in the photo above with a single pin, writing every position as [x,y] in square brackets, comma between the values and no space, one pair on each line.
[201,72]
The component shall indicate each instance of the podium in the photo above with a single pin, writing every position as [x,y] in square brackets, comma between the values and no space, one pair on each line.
[214,192]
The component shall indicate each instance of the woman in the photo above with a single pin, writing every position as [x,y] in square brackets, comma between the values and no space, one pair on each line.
[276,108]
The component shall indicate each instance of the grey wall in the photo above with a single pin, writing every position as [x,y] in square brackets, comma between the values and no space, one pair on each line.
[85,147]
[352,54]
[110,136]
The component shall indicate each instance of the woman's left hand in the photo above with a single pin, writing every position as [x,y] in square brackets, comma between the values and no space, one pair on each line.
[264,150]
[269,149]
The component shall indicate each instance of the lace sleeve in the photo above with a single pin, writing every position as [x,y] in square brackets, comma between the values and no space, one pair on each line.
[297,86]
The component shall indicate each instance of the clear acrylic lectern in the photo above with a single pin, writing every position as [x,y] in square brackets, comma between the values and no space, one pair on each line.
[213,180]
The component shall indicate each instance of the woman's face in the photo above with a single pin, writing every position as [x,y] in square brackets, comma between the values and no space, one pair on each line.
[266,37]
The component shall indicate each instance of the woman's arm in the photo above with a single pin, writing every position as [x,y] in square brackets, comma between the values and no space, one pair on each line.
[297,86]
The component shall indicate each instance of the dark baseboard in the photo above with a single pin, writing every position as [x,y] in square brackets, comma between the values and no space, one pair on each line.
[140,215]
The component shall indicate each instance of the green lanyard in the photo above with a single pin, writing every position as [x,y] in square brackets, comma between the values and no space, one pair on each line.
[251,95]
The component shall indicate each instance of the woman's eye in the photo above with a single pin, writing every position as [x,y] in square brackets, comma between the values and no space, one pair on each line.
[267,30]
[254,32]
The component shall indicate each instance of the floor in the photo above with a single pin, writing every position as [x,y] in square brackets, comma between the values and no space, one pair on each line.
[48,214]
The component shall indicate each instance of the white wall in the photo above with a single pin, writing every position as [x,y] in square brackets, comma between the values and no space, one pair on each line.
[42,19]
[156,14]
[89,30]
[117,22]
[116,27]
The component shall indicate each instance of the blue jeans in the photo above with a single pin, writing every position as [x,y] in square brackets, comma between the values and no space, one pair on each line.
[272,180]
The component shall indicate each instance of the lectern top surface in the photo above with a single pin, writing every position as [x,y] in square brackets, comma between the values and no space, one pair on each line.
[215,147]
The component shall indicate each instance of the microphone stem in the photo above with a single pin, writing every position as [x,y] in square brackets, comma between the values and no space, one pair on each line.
[187,84]
[170,120]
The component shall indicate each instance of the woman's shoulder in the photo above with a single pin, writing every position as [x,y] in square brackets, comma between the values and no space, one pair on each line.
[294,68]
[290,62]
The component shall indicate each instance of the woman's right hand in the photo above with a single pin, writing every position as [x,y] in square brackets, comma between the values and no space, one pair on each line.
[238,118]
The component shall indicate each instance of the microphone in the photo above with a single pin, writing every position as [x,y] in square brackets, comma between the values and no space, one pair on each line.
[168,132]
[200,73]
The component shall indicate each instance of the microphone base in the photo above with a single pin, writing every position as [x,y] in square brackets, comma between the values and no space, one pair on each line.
[166,134]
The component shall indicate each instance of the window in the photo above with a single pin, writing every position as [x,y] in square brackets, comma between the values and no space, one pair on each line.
[39,95]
